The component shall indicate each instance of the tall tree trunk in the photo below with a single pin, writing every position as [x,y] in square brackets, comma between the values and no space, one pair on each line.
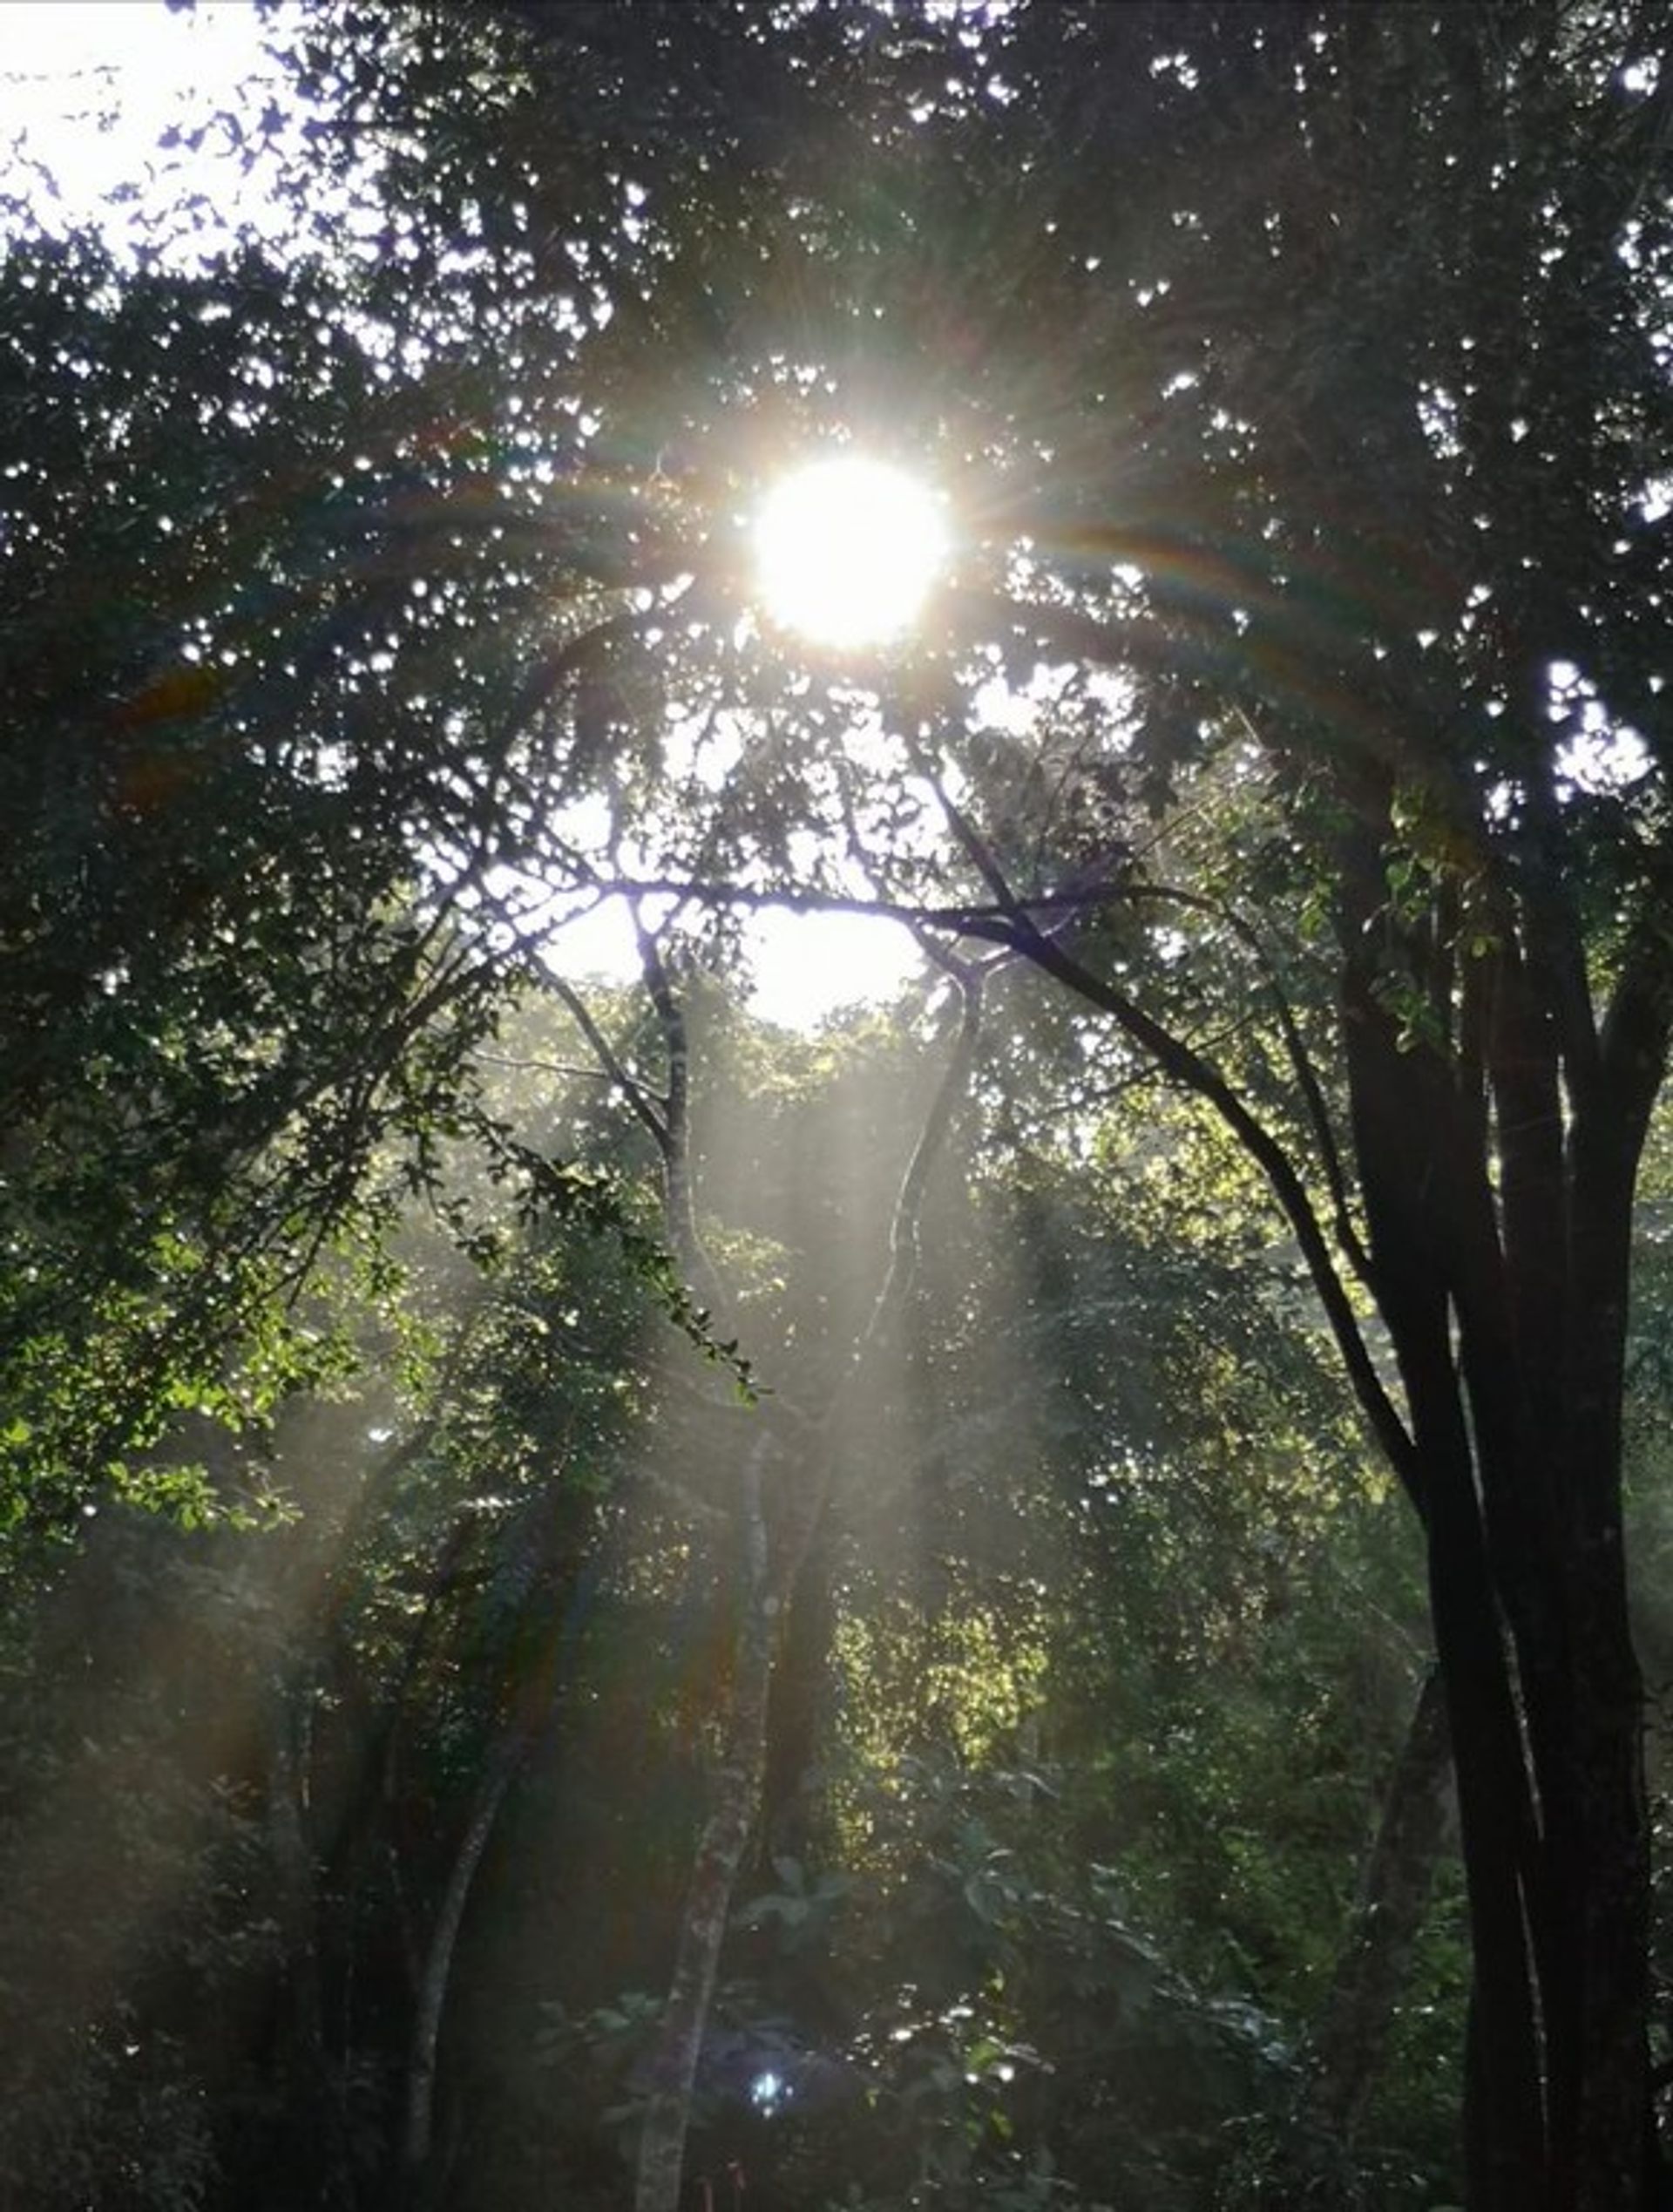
[1496,1139]
[1500,1244]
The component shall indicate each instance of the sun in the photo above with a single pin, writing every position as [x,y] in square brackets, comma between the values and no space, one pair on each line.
[846,549]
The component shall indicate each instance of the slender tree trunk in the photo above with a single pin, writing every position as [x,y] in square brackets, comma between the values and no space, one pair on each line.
[1614,2154]
[776,1550]
[304,2022]
[734,1792]
[1358,2015]
[795,1711]
[532,1699]
[417,2135]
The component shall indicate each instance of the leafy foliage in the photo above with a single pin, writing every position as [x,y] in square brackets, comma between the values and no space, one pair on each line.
[374,609]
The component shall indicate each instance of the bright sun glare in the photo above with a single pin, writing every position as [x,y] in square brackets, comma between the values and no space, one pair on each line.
[846,549]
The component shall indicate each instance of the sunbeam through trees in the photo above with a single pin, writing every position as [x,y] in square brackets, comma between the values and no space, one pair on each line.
[1048,1590]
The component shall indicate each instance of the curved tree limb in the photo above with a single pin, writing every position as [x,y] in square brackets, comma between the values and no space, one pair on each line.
[1188,1068]
[1184,1066]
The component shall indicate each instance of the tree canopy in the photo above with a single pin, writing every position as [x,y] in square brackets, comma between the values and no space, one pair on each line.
[1008,1402]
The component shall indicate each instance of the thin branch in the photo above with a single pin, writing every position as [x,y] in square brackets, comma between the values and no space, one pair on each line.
[978,919]
[570,1070]
[1194,1073]
[1301,1062]
[975,845]
[639,1096]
